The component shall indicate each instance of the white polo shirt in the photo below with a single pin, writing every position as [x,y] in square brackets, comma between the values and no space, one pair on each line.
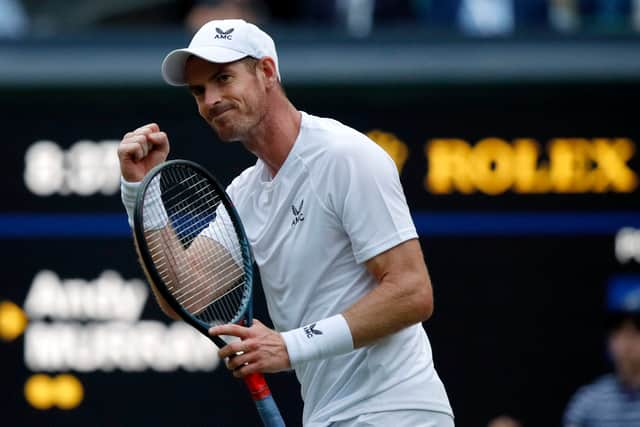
[335,203]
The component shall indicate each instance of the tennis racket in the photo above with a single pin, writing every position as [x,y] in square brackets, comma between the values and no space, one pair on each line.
[194,249]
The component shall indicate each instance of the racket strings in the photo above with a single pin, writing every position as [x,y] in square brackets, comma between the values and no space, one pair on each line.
[206,275]
[207,195]
[227,273]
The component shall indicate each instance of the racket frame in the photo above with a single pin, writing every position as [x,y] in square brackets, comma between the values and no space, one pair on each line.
[244,315]
[258,388]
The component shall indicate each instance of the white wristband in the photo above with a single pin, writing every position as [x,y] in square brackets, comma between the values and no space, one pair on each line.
[322,339]
[153,201]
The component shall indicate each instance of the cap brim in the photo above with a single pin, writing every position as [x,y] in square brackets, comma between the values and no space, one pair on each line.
[173,64]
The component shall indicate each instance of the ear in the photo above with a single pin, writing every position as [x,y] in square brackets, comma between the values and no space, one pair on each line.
[267,67]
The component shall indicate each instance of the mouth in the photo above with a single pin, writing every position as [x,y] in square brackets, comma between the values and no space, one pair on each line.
[216,113]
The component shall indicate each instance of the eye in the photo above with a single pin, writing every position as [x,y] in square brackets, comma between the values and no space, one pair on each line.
[197,90]
[224,78]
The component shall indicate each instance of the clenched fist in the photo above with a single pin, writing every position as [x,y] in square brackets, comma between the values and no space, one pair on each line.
[141,150]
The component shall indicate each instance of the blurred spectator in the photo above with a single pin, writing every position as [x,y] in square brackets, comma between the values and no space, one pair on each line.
[614,399]
[564,15]
[56,16]
[504,421]
[482,17]
[64,16]
[486,17]
[13,19]
[203,11]
[356,16]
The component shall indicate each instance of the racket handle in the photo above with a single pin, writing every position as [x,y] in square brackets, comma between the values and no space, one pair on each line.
[265,404]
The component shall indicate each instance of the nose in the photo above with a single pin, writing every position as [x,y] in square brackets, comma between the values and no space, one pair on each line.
[211,95]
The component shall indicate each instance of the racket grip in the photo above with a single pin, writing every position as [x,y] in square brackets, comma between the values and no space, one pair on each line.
[267,408]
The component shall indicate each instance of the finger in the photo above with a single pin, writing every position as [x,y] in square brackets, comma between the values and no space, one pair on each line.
[131,149]
[146,147]
[134,139]
[148,128]
[230,329]
[143,146]
[245,370]
[158,138]
[240,360]
[232,350]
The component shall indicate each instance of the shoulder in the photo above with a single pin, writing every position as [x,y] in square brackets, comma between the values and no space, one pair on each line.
[587,397]
[338,143]
[600,386]
[243,181]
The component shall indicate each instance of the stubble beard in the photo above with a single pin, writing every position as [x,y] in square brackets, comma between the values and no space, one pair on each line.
[229,131]
[228,136]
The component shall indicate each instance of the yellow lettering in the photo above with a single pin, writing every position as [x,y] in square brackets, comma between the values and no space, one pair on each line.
[494,166]
[492,162]
[577,162]
[529,176]
[563,160]
[612,170]
[448,166]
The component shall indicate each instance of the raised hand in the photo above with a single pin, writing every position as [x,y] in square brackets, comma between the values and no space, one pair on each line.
[141,150]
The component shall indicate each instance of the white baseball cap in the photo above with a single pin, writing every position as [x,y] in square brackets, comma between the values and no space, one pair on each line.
[220,41]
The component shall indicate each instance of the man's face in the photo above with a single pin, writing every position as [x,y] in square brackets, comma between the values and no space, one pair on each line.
[624,345]
[231,97]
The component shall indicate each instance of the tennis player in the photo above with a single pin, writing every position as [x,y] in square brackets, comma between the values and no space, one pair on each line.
[342,269]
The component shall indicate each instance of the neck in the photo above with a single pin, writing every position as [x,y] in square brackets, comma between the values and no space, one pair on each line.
[631,380]
[273,138]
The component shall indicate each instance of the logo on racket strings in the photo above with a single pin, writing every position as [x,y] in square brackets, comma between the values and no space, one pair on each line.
[298,216]
[310,330]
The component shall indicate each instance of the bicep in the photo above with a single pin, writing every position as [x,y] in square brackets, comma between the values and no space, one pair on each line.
[401,264]
[403,273]
[402,297]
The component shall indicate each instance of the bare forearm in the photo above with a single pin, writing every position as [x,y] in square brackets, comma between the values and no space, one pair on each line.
[188,271]
[164,306]
[387,309]
[402,297]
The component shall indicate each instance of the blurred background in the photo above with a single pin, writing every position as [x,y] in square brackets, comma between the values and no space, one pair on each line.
[514,126]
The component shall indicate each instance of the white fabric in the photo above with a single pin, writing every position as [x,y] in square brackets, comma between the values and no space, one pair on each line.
[153,202]
[220,41]
[319,340]
[405,418]
[335,203]
[128,194]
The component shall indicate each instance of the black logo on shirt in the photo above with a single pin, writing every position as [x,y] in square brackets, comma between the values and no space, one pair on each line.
[298,216]
[310,331]
[223,34]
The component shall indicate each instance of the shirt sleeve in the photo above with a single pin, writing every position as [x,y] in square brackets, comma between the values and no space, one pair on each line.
[367,197]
